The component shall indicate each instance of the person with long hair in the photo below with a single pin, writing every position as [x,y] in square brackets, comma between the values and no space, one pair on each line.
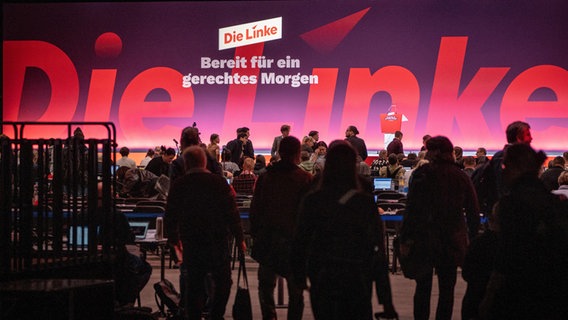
[339,240]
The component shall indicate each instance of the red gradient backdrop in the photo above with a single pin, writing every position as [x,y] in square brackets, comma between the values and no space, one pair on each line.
[464,70]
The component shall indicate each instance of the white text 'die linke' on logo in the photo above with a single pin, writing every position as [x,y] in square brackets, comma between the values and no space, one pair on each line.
[250,33]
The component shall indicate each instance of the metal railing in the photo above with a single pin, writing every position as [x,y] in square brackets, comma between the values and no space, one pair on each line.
[52,191]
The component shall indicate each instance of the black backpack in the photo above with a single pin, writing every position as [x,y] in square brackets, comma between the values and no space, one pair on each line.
[167,298]
[484,180]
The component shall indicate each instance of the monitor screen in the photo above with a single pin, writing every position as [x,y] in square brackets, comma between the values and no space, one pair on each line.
[139,229]
[382,183]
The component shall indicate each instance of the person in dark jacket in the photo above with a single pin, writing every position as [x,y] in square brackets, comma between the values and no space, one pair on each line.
[530,279]
[440,194]
[550,176]
[339,241]
[190,137]
[161,165]
[273,216]
[202,213]
[359,144]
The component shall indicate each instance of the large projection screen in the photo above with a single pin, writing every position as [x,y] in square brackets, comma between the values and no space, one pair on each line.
[463,69]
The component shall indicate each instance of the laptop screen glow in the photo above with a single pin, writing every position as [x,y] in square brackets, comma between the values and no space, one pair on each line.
[382,183]
[140,229]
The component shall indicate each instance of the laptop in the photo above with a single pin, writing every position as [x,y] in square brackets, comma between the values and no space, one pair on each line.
[382,183]
[139,228]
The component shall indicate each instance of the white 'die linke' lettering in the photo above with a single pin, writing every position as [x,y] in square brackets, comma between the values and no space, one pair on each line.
[250,33]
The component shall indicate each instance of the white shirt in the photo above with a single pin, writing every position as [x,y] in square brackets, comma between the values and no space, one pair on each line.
[145,161]
[126,162]
[563,190]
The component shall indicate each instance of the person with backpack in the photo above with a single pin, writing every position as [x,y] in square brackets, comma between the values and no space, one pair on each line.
[393,170]
[338,243]
[487,178]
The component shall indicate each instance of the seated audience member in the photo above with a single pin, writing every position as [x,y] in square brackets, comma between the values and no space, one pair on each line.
[227,165]
[480,161]
[530,279]
[562,190]
[305,163]
[158,151]
[259,165]
[565,156]
[380,162]
[136,183]
[550,176]
[319,156]
[363,168]
[149,156]
[244,182]
[308,144]
[469,165]
[400,157]
[481,152]
[393,169]
[125,161]
[161,165]
[410,160]
[408,173]
[130,272]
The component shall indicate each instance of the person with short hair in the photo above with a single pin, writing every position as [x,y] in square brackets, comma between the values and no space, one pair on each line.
[273,216]
[516,132]
[190,136]
[529,280]
[285,131]
[550,176]
[469,165]
[202,213]
[125,161]
[562,190]
[393,170]
[425,138]
[241,146]
[395,146]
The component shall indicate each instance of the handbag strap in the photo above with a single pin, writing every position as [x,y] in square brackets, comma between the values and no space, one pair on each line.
[242,269]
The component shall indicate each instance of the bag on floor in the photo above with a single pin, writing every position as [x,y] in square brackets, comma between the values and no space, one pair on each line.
[167,298]
[242,309]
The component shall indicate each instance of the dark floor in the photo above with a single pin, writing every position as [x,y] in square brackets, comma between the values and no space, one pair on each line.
[403,290]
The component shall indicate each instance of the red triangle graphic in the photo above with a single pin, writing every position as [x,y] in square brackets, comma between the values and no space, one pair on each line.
[327,37]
